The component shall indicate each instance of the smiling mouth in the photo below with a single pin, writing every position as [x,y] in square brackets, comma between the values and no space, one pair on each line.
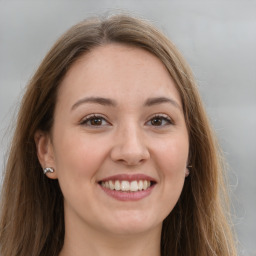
[127,186]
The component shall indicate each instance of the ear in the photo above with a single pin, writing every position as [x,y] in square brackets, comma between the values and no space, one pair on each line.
[188,169]
[45,152]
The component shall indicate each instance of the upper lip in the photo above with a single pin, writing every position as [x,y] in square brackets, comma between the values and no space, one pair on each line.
[129,177]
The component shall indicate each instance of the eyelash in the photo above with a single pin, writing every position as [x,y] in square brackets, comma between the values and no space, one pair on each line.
[161,117]
[92,117]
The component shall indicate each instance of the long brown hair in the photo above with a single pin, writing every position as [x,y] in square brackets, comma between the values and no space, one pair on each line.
[32,215]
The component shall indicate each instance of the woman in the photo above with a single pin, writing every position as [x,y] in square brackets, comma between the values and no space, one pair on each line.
[113,153]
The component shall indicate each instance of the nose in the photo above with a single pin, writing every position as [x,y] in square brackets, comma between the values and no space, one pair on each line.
[130,147]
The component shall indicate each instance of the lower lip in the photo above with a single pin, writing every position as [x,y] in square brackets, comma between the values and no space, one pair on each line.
[128,196]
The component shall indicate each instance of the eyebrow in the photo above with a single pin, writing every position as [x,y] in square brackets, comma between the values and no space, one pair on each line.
[97,100]
[109,102]
[159,100]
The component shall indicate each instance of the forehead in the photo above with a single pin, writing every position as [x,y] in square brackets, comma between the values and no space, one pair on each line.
[116,70]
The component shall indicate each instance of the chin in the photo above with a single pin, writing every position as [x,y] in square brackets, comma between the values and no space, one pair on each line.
[130,223]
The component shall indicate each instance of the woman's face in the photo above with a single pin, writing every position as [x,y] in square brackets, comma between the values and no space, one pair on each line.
[119,142]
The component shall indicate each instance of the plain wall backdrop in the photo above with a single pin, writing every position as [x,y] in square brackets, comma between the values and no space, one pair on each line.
[218,39]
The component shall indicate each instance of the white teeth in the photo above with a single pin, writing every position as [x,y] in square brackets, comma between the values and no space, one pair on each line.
[140,185]
[111,185]
[117,185]
[124,185]
[145,184]
[134,186]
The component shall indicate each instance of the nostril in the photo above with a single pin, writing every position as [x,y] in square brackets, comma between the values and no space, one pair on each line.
[131,158]
[130,150]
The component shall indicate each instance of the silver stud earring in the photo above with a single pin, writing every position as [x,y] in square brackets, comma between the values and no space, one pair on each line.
[48,169]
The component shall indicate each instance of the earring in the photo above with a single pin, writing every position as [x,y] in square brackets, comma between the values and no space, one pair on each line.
[48,169]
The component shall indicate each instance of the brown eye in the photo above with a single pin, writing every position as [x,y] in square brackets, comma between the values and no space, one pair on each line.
[156,121]
[160,121]
[94,121]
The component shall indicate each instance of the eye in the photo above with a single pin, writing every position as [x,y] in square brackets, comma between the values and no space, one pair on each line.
[94,120]
[160,120]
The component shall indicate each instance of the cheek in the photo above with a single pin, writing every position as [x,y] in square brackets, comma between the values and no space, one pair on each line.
[77,157]
[172,160]
[173,154]
[77,162]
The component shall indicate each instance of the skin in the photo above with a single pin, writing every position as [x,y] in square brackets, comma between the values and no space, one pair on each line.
[123,139]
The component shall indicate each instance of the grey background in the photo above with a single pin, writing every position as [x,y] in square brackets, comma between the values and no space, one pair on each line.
[218,39]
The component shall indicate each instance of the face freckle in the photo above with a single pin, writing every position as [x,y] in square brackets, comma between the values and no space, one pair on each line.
[103,134]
